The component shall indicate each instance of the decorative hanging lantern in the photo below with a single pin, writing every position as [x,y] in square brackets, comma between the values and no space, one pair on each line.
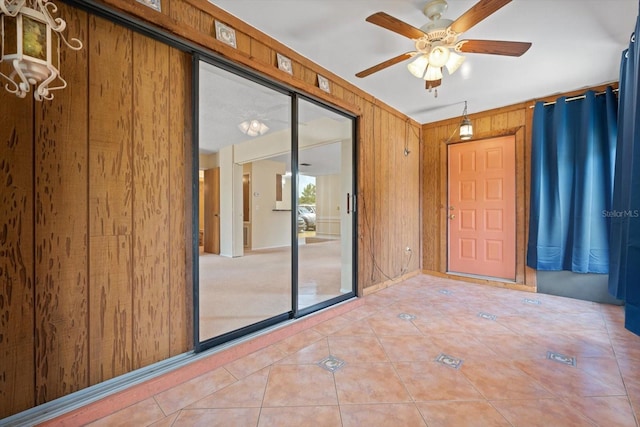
[30,52]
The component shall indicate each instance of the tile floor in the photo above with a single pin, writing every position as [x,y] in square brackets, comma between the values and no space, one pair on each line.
[426,352]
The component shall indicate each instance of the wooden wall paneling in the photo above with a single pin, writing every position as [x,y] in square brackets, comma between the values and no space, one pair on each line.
[151,114]
[415,231]
[394,199]
[110,199]
[17,373]
[499,121]
[516,118]
[181,293]
[382,198]
[403,192]
[403,209]
[366,152]
[530,273]
[298,69]
[261,52]
[61,224]
[427,197]
[309,76]
[376,227]
[336,89]
[442,205]
[482,127]
[521,195]
[181,11]
[348,96]
[364,214]
[243,43]
[431,199]
[208,25]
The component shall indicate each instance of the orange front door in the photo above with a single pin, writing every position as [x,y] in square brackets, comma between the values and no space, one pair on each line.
[482,208]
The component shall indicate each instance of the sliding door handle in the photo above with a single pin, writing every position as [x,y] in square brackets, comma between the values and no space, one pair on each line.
[348,202]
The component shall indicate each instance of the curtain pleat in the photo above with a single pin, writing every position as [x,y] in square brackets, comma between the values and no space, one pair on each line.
[573,153]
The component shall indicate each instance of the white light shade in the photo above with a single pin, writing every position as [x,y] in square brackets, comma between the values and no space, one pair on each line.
[454,62]
[253,127]
[466,129]
[433,73]
[419,66]
[439,56]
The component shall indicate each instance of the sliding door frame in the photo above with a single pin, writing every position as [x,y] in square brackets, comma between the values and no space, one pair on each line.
[295,96]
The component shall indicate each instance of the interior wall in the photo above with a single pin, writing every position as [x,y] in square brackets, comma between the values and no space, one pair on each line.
[328,197]
[511,120]
[270,228]
[94,252]
[95,185]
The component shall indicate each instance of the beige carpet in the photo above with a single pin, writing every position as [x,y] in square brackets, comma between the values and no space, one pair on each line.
[236,292]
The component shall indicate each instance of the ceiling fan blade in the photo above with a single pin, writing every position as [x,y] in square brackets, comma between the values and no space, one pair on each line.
[493,47]
[385,64]
[477,13]
[430,84]
[394,24]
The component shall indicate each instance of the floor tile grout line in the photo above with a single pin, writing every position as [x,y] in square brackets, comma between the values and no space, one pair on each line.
[264,394]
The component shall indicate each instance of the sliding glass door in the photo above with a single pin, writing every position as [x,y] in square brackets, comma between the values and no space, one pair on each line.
[275,211]
[325,203]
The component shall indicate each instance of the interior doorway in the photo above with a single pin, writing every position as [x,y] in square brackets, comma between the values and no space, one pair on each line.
[481,212]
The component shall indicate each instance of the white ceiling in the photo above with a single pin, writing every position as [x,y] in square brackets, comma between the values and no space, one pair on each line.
[576,44]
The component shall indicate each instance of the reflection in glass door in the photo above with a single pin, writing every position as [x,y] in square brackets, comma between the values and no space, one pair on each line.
[325,204]
[275,205]
[244,262]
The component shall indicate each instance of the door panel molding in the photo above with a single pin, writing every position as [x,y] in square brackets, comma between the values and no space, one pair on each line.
[482,208]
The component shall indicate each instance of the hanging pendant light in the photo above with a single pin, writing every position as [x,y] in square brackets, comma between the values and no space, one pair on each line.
[30,54]
[466,128]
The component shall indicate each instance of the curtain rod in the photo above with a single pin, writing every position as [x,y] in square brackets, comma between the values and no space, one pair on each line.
[573,98]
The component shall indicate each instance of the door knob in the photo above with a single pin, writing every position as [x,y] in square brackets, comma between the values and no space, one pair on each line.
[452,216]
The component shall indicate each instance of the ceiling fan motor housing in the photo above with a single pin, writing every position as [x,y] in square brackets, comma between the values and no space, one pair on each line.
[435,9]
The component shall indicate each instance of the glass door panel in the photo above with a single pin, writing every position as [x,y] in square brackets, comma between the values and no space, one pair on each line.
[244,262]
[325,205]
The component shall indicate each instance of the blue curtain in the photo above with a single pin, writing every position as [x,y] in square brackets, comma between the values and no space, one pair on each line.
[624,277]
[572,167]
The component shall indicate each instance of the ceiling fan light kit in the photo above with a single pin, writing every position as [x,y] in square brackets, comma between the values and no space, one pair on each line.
[437,44]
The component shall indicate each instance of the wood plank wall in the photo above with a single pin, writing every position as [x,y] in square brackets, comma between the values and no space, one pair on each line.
[389,208]
[511,120]
[17,341]
[96,204]
[96,218]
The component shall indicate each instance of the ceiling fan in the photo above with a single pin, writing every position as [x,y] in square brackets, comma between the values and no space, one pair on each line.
[437,44]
